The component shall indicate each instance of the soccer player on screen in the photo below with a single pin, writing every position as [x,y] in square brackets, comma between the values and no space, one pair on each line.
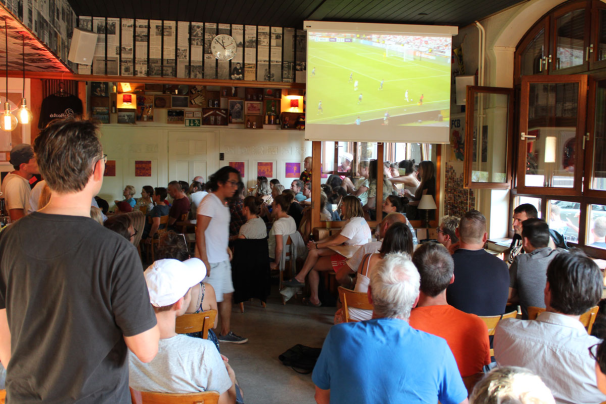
[421,99]
[381,86]
[358,121]
[313,71]
[406,96]
[350,77]
[320,109]
[360,98]
[386,118]
[356,85]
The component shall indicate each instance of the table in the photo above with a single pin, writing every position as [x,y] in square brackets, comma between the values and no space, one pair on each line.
[347,251]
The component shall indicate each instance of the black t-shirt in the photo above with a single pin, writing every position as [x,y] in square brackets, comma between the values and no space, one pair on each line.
[72,290]
[57,107]
[481,284]
[295,211]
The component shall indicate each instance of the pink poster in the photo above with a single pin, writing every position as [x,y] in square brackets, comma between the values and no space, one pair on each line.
[265,169]
[293,170]
[143,168]
[238,165]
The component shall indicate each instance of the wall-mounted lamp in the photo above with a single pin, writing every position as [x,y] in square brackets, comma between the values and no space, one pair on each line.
[294,103]
[127,99]
[126,87]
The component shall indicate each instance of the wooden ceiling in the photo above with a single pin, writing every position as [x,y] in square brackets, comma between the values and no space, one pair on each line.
[284,13]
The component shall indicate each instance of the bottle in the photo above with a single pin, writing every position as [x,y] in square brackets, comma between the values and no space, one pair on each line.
[113,107]
[266,119]
[255,125]
[248,123]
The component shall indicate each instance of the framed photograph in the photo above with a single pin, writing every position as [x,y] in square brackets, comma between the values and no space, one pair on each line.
[103,118]
[240,166]
[126,117]
[175,116]
[189,114]
[292,170]
[197,114]
[236,111]
[253,107]
[180,102]
[143,168]
[265,169]
[99,89]
[162,101]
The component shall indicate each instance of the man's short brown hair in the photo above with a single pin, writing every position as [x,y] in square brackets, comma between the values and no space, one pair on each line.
[472,227]
[67,151]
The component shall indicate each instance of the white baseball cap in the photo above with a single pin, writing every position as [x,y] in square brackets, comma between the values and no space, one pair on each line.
[169,280]
[346,156]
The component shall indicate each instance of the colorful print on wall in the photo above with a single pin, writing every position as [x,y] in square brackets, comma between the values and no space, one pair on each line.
[293,170]
[238,165]
[265,169]
[143,168]
[110,168]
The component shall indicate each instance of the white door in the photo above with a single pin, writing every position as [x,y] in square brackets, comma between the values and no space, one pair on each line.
[191,154]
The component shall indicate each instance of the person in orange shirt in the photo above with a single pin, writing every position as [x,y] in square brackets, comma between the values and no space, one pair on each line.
[466,334]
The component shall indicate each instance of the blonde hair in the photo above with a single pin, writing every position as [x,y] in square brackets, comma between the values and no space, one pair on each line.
[352,207]
[131,190]
[511,384]
[96,214]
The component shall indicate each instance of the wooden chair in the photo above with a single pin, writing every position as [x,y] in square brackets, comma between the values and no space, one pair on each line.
[205,397]
[587,318]
[189,230]
[143,209]
[357,300]
[203,322]
[492,321]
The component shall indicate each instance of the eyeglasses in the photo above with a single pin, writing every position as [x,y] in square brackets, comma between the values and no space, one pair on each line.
[593,351]
[233,183]
[439,230]
[135,233]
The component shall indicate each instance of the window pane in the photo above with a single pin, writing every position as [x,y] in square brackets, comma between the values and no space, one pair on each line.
[598,180]
[570,41]
[536,202]
[597,226]
[490,120]
[564,218]
[532,55]
[602,36]
[552,120]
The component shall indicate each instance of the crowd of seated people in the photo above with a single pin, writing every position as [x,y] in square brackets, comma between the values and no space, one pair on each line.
[424,328]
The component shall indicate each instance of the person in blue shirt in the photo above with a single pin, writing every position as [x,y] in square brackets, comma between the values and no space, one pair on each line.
[129,192]
[385,360]
[297,187]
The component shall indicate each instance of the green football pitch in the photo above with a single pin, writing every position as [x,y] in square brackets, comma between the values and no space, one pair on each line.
[333,64]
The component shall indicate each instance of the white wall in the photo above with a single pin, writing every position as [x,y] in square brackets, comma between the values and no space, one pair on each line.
[179,153]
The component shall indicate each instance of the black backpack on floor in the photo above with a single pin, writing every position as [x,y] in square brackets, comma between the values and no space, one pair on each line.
[301,358]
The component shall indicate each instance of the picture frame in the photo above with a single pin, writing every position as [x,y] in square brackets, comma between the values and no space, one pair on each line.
[126,117]
[236,111]
[179,101]
[99,89]
[175,117]
[253,108]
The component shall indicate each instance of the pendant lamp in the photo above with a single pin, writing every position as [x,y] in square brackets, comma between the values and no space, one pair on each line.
[9,122]
[24,113]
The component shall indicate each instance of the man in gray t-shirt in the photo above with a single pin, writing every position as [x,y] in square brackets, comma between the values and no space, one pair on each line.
[528,272]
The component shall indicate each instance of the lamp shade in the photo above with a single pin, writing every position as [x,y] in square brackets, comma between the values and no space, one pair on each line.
[427,203]
[550,149]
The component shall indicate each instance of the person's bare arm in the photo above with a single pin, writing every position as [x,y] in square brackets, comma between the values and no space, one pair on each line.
[210,301]
[195,299]
[5,339]
[145,344]
[16,214]
[337,240]
[154,228]
[404,180]
[202,223]
[322,396]
[278,252]
[229,397]
[360,191]
[171,220]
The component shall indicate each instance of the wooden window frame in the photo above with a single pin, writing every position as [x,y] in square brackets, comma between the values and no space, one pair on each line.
[529,37]
[586,5]
[469,129]
[582,81]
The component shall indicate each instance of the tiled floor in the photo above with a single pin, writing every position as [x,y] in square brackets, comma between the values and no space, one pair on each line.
[271,331]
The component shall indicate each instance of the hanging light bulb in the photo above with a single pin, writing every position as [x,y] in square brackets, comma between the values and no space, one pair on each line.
[24,113]
[9,122]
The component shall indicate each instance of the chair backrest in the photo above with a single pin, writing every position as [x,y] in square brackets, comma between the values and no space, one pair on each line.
[289,253]
[203,321]
[143,209]
[492,321]
[205,397]
[357,300]
[587,318]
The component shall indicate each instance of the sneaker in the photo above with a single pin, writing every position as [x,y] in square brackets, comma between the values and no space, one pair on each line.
[293,283]
[233,338]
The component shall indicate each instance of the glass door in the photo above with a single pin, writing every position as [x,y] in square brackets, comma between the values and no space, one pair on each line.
[552,129]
